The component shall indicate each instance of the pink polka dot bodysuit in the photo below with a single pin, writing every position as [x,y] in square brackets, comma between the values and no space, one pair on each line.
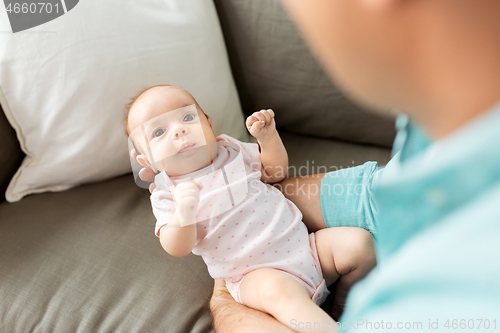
[244,224]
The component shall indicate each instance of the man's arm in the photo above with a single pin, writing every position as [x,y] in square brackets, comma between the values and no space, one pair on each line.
[229,316]
[347,199]
[341,198]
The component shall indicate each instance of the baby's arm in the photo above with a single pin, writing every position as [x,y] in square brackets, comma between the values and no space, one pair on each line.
[273,153]
[179,235]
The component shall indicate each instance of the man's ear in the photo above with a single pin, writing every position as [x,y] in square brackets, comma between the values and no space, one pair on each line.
[143,160]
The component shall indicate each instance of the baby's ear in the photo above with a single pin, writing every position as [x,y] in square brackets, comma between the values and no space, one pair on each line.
[210,122]
[143,160]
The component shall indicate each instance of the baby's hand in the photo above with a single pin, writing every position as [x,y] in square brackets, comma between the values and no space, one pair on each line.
[261,124]
[187,197]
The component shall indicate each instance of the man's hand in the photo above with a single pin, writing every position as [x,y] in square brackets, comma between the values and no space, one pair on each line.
[229,316]
[147,174]
[261,124]
[220,289]
[187,197]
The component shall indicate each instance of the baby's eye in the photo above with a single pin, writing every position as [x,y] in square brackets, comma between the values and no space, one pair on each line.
[188,117]
[158,132]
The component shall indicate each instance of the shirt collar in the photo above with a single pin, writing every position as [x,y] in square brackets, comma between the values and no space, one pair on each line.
[427,182]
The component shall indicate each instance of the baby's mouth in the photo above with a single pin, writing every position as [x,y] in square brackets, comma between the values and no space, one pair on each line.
[186,146]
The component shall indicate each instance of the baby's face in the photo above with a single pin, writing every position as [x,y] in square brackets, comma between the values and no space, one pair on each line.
[168,121]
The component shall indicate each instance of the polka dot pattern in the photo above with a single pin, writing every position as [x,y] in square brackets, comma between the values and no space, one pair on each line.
[263,230]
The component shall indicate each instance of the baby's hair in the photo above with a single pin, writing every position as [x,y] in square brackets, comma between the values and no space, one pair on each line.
[128,107]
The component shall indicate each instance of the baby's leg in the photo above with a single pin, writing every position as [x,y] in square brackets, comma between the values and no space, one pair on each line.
[277,293]
[346,254]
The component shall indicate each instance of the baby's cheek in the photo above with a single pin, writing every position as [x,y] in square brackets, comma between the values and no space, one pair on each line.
[203,138]
[162,151]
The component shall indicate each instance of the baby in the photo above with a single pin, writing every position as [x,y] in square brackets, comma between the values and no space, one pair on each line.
[246,231]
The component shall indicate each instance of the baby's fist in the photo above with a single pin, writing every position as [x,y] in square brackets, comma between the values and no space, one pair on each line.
[261,124]
[187,197]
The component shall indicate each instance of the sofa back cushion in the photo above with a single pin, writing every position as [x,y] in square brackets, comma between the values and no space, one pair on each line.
[64,85]
[11,154]
[274,69]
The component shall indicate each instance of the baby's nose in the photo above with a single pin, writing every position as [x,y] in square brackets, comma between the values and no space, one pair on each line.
[179,132]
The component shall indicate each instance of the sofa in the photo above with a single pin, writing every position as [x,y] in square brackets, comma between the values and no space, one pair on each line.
[87,260]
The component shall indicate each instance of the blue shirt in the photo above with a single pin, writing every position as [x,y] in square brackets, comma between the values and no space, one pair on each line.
[434,211]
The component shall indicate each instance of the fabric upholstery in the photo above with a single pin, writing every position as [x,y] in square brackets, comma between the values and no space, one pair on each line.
[11,154]
[87,260]
[274,69]
[310,155]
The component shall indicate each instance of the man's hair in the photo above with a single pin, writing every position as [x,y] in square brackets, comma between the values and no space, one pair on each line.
[128,107]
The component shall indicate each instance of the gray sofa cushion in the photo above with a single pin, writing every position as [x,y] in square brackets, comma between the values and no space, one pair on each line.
[11,154]
[310,155]
[273,68]
[87,260]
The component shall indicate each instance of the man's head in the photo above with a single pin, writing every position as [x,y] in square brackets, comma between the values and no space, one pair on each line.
[433,59]
[170,130]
